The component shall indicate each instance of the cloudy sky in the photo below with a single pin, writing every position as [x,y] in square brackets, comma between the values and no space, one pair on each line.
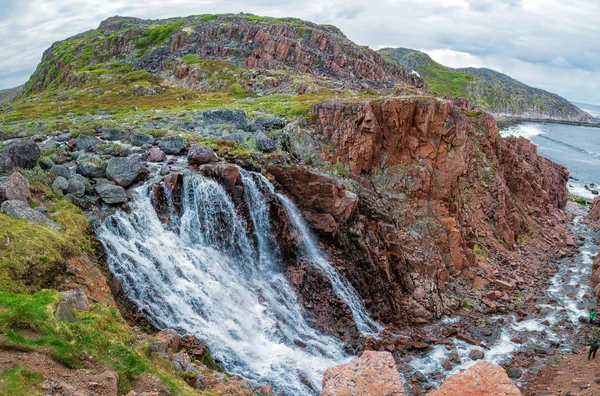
[550,44]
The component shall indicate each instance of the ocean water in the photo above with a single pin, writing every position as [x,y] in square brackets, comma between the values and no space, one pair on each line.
[576,147]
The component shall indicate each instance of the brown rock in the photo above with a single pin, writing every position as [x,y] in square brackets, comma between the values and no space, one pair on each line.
[166,342]
[156,155]
[373,373]
[485,378]
[14,187]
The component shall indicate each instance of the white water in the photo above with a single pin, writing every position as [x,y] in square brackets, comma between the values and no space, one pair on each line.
[209,277]
[528,130]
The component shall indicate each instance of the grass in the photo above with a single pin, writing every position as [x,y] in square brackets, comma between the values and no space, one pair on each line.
[580,200]
[157,35]
[446,80]
[19,381]
[32,255]
[101,332]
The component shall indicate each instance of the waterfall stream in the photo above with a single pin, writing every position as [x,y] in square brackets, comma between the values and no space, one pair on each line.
[204,274]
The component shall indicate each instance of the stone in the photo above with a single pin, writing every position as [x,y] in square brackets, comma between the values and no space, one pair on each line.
[76,187]
[234,117]
[46,162]
[199,154]
[181,361]
[419,293]
[476,354]
[23,153]
[87,142]
[172,145]
[76,298]
[156,155]
[111,134]
[61,170]
[60,184]
[514,373]
[64,313]
[373,373]
[14,187]
[265,144]
[271,123]
[141,139]
[484,378]
[111,194]
[91,170]
[165,170]
[125,171]
[7,167]
[21,210]
[165,342]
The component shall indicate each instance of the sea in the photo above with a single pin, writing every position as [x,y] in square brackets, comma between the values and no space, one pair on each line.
[576,147]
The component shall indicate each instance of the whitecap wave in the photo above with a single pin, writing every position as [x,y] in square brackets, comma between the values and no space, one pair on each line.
[524,130]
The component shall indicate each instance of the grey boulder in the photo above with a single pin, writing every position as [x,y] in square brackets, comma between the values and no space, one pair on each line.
[263,143]
[125,170]
[76,187]
[23,153]
[87,142]
[60,184]
[172,145]
[111,134]
[6,165]
[21,210]
[141,139]
[91,170]
[226,116]
[61,170]
[199,154]
[111,194]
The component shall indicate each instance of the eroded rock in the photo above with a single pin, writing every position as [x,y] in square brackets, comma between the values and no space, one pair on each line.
[484,378]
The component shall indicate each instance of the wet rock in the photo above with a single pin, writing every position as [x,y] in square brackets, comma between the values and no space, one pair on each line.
[300,343]
[265,144]
[446,364]
[199,154]
[125,171]
[21,210]
[60,184]
[91,170]
[111,194]
[467,339]
[87,142]
[61,170]
[156,155]
[517,340]
[514,373]
[454,357]
[14,187]
[172,145]
[484,378]
[111,134]
[234,117]
[141,139]
[373,373]
[165,170]
[476,354]
[23,153]
[420,376]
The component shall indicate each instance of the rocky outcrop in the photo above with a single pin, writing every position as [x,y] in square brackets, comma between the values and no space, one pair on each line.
[484,378]
[373,373]
[593,216]
[21,210]
[596,274]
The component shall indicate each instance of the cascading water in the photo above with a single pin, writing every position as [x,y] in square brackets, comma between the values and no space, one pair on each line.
[207,277]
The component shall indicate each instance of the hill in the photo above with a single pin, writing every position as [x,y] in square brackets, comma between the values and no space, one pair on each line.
[493,91]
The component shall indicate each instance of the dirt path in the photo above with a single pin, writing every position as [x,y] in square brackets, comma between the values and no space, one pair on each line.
[573,374]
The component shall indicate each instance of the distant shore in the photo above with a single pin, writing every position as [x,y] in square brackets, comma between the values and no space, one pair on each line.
[504,122]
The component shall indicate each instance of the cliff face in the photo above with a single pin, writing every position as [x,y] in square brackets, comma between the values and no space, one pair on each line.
[434,198]
[495,92]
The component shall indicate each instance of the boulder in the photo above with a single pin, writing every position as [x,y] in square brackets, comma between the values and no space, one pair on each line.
[21,210]
[6,165]
[87,142]
[23,153]
[111,134]
[199,154]
[14,187]
[271,123]
[476,354]
[373,373]
[64,314]
[234,117]
[76,187]
[484,378]
[141,139]
[514,373]
[91,170]
[76,298]
[61,170]
[60,184]
[111,194]
[265,144]
[156,155]
[166,341]
[125,171]
[172,145]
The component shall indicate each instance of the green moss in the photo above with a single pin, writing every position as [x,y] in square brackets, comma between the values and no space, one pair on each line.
[580,200]
[20,381]
[158,35]
[191,59]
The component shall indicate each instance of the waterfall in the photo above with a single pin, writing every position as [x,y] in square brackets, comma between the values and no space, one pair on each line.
[210,277]
[341,286]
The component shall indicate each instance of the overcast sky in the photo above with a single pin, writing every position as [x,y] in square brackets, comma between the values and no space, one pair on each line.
[550,44]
